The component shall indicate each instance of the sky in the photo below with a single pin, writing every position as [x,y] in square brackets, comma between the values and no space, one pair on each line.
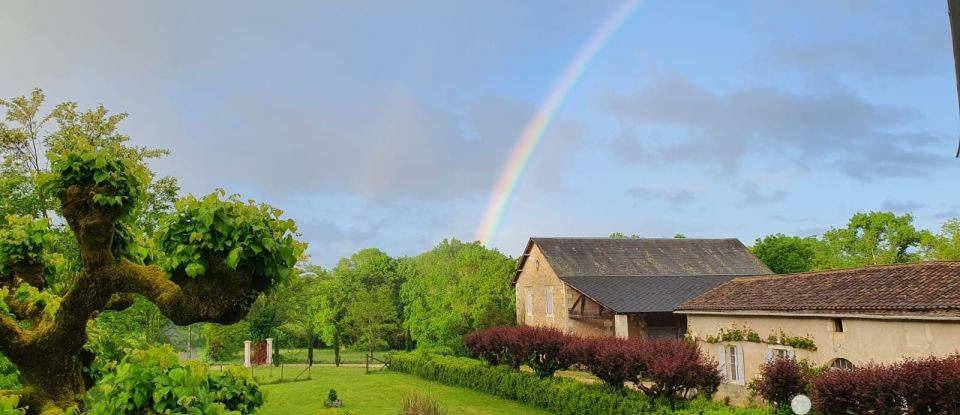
[388,124]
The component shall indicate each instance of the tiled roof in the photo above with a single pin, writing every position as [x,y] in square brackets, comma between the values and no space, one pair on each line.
[645,275]
[918,289]
[644,294]
[591,257]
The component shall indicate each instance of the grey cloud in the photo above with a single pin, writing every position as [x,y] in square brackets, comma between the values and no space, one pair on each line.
[838,129]
[901,207]
[784,218]
[953,212]
[753,195]
[673,197]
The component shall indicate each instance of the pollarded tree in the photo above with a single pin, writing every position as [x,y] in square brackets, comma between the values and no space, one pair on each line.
[208,262]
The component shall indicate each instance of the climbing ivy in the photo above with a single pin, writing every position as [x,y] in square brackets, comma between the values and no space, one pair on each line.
[239,233]
[735,334]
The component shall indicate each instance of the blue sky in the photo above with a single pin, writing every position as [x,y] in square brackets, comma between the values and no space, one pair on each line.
[386,124]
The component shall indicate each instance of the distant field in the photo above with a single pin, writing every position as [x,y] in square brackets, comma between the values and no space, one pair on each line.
[378,393]
[320,356]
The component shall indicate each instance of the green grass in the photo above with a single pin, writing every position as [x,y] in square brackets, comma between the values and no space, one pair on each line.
[374,393]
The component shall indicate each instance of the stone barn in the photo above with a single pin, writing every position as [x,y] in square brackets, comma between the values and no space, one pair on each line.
[622,287]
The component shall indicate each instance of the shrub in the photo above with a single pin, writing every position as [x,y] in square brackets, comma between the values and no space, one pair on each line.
[332,395]
[612,360]
[543,349]
[155,381]
[676,367]
[417,404]
[781,380]
[557,395]
[925,386]
[496,345]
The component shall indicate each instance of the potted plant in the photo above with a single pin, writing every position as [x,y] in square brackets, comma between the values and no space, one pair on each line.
[332,400]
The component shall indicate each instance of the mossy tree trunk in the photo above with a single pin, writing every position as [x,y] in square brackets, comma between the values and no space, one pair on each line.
[49,352]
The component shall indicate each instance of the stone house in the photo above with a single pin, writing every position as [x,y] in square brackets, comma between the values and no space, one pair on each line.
[842,318]
[622,287]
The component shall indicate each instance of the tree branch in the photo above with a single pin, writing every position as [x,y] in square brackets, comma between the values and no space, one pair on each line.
[12,337]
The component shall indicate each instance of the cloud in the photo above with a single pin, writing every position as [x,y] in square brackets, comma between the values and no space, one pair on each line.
[675,120]
[672,197]
[753,195]
[901,207]
[784,218]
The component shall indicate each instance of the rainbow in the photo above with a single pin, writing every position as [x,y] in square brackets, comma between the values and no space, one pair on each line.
[533,132]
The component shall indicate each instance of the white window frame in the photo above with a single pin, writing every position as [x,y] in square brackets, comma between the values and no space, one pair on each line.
[528,300]
[548,293]
[783,351]
[730,357]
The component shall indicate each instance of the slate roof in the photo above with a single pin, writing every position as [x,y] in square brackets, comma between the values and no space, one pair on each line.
[919,289]
[645,275]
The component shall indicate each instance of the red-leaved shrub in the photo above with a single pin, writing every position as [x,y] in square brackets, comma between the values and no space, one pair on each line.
[925,386]
[612,360]
[544,349]
[781,379]
[674,367]
[496,345]
[668,368]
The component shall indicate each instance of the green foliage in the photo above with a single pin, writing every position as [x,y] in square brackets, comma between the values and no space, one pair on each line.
[236,232]
[786,254]
[358,303]
[332,395]
[22,241]
[43,300]
[116,180]
[736,334]
[454,289]
[154,380]
[873,238]
[944,246]
[109,347]
[557,395]
[223,342]
[10,405]
[9,375]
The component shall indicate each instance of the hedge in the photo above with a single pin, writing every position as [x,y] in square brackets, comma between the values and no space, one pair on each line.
[559,395]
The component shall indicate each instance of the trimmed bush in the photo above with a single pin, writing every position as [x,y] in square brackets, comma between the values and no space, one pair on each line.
[562,396]
[781,380]
[924,386]
[675,368]
[612,360]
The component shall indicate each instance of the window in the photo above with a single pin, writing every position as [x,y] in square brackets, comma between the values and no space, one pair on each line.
[734,368]
[549,299]
[536,264]
[528,303]
[731,363]
[841,364]
[838,325]
[780,352]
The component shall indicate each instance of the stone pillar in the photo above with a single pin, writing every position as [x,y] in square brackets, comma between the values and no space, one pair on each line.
[270,352]
[621,326]
[246,353]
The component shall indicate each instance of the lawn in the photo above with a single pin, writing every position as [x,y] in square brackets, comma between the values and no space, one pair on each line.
[374,393]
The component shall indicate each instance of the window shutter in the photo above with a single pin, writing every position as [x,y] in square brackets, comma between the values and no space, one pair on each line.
[740,364]
[769,355]
[722,361]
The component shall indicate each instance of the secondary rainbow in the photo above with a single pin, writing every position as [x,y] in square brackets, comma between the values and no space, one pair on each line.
[533,132]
